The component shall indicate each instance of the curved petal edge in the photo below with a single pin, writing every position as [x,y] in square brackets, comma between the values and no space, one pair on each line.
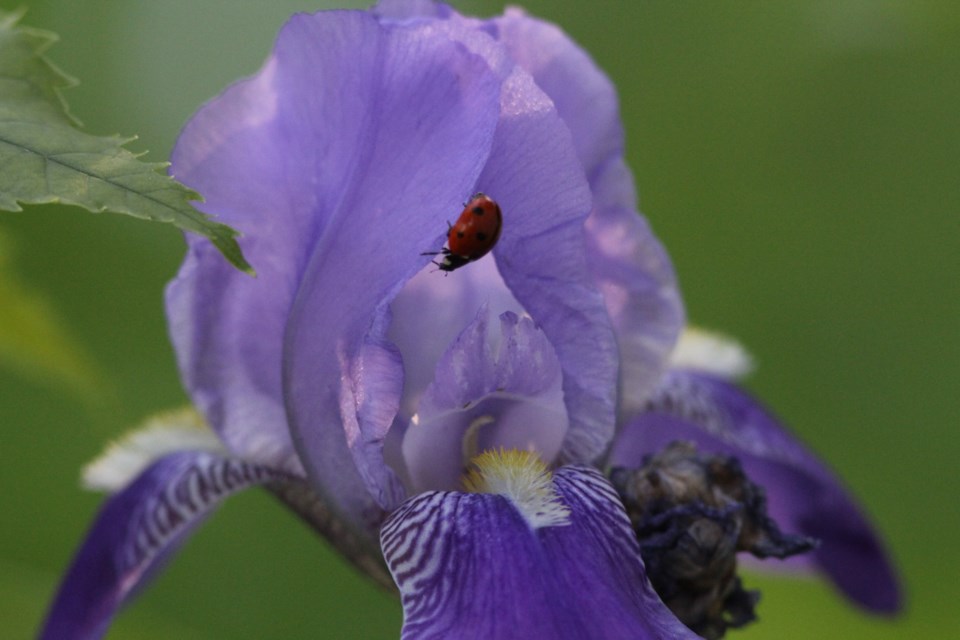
[137,530]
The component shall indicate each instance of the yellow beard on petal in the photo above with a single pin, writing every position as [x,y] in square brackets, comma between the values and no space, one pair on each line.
[522,478]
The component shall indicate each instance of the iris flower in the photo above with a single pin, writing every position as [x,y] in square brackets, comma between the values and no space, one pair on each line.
[451,433]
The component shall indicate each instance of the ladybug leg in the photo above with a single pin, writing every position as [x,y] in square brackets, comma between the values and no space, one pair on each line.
[440,267]
[442,252]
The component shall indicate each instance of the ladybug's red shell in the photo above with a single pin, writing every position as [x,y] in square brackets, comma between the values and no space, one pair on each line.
[477,229]
[474,233]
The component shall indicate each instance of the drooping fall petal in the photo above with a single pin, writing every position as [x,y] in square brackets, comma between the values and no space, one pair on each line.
[137,530]
[803,495]
[473,566]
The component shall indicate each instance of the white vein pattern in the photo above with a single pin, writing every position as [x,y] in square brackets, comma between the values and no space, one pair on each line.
[585,491]
[470,567]
[409,540]
[442,549]
[193,485]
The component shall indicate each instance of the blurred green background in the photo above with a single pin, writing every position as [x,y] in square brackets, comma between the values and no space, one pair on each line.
[799,160]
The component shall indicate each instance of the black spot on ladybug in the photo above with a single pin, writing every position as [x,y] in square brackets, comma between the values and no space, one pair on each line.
[470,239]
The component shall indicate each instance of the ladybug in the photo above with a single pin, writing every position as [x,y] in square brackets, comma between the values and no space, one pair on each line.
[473,234]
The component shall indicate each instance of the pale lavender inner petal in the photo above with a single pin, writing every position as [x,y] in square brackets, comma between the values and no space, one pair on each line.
[492,389]
[433,308]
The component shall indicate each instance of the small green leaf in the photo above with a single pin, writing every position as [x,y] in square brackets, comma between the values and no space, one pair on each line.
[45,158]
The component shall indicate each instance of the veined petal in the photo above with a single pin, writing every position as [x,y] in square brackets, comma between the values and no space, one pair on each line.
[485,397]
[584,96]
[534,173]
[626,261]
[470,566]
[426,112]
[137,530]
[541,255]
[803,496]
[124,460]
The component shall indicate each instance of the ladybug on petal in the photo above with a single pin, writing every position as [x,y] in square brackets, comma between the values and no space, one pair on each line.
[473,234]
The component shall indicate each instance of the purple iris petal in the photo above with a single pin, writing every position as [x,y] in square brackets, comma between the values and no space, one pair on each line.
[374,134]
[803,495]
[635,276]
[428,108]
[625,259]
[542,257]
[470,566]
[484,398]
[535,175]
[137,530]
[583,95]
[227,328]
[407,9]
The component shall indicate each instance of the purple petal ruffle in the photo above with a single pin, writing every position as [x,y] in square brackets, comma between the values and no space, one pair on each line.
[625,260]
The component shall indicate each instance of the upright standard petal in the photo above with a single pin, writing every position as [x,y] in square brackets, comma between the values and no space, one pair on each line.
[426,115]
[803,496]
[626,261]
[473,566]
[135,533]
[243,153]
[534,172]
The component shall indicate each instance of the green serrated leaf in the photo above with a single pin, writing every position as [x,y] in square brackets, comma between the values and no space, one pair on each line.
[44,158]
